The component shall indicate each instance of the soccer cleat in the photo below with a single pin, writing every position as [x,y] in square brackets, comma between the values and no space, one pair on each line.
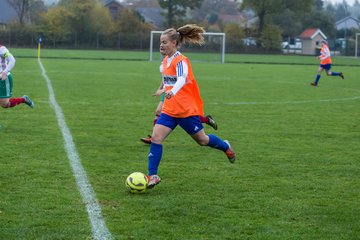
[341,75]
[230,153]
[146,140]
[313,84]
[28,101]
[211,122]
[153,180]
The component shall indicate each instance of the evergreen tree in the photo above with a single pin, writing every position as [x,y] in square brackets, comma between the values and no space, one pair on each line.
[176,9]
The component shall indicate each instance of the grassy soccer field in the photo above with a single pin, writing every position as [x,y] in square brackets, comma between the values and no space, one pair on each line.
[298,147]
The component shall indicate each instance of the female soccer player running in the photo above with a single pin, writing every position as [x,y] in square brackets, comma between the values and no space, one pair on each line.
[325,63]
[183,104]
[208,119]
[7,61]
[160,93]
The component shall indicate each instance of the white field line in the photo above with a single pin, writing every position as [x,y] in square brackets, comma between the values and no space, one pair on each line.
[99,229]
[289,102]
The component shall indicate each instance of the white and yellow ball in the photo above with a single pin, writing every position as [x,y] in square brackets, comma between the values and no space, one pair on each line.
[136,182]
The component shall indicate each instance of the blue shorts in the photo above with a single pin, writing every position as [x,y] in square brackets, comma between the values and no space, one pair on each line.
[325,66]
[191,124]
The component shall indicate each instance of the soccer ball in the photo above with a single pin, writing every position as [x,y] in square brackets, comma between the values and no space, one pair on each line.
[136,182]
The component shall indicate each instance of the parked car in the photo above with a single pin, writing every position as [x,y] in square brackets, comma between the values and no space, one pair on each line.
[340,43]
[249,41]
[294,43]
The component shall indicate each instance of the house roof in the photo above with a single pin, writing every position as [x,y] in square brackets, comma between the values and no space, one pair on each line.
[348,23]
[107,2]
[114,7]
[7,12]
[347,19]
[153,15]
[311,33]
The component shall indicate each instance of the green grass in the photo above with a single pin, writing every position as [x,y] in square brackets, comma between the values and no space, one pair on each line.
[81,54]
[297,174]
[290,59]
[201,57]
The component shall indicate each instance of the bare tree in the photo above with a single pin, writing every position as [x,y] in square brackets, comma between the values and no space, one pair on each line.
[22,9]
[176,9]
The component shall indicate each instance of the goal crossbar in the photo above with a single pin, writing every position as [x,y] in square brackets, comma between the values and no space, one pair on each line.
[206,33]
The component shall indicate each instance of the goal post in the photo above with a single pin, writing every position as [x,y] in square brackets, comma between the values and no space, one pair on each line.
[357,44]
[212,51]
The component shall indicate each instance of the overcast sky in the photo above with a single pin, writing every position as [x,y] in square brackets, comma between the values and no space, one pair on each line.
[349,2]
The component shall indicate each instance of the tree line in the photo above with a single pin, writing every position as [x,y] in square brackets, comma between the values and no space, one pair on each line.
[87,23]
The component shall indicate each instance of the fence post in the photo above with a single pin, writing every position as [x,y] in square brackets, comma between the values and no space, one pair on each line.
[119,40]
[75,39]
[9,38]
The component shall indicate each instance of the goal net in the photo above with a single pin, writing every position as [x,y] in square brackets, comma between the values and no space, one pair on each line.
[212,51]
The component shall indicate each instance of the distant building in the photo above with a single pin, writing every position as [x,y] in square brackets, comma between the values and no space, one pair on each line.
[153,15]
[114,7]
[347,23]
[311,39]
[7,14]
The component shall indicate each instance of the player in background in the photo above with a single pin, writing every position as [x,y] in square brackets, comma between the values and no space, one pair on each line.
[7,61]
[160,92]
[183,104]
[325,63]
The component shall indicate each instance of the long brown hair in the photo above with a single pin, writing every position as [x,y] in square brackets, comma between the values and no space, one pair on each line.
[189,33]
